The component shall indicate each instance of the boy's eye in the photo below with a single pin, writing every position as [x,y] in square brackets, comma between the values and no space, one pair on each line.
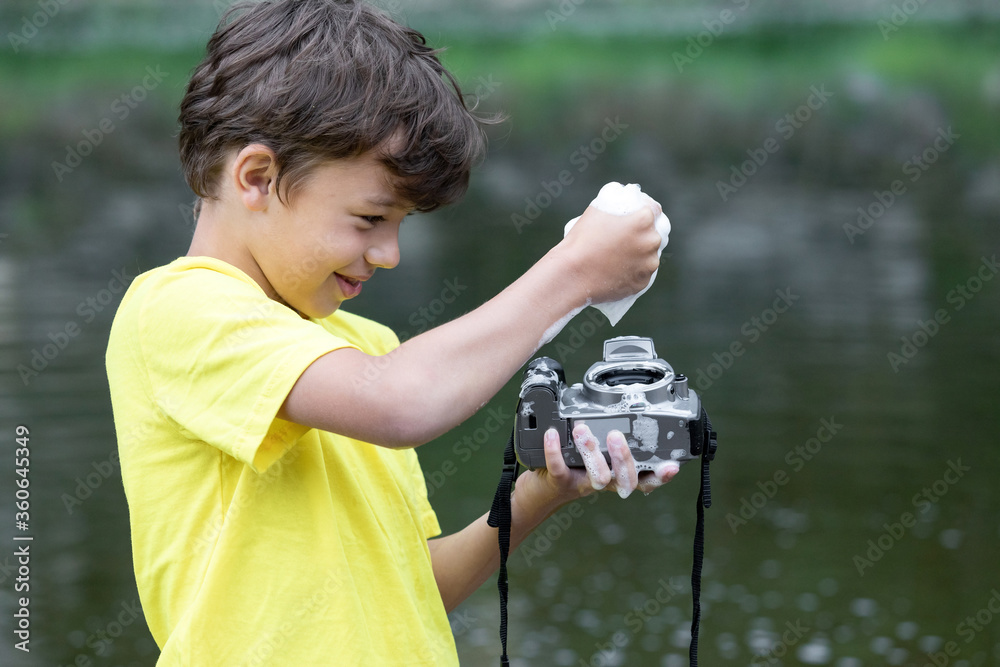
[372,219]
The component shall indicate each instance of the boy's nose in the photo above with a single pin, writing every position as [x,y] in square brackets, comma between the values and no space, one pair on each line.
[384,254]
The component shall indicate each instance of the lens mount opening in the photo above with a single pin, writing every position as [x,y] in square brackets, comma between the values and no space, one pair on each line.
[616,377]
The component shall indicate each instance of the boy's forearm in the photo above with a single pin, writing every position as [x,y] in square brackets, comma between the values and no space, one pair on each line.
[464,560]
[437,380]
[457,367]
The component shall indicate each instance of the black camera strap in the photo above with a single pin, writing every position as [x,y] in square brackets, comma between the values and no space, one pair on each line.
[708,446]
[500,518]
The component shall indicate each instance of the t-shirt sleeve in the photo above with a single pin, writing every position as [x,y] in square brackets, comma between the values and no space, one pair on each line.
[221,358]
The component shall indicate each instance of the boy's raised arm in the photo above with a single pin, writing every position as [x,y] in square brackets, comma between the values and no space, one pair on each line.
[435,381]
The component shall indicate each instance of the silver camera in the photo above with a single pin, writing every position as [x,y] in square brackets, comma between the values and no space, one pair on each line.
[631,391]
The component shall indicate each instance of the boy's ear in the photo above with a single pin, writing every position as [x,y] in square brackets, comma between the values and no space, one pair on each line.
[254,174]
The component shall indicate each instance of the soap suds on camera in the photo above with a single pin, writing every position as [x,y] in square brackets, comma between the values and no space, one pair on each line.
[647,431]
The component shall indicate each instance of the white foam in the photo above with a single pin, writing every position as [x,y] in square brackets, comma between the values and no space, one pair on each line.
[647,430]
[589,458]
[526,408]
[619,199]
[621,482]
[672,465]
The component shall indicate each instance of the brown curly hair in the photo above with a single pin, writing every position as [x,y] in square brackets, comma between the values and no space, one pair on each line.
[319,80]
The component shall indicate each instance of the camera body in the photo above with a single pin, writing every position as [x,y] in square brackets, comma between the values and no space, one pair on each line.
[631,391]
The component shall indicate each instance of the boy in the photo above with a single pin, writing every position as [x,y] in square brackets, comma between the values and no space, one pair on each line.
[278,511]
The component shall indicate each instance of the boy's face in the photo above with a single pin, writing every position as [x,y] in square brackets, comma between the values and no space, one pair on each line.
[340,225]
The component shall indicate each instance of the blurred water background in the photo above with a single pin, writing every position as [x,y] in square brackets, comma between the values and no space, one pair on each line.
[848,357]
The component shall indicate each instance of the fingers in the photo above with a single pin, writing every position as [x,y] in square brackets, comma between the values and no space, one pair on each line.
[554,462]
[615,255]
[622,464]
[658,477]
[593,459]
[653,204]
[622,471]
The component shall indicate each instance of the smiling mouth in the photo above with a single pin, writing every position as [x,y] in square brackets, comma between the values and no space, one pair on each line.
[351,287]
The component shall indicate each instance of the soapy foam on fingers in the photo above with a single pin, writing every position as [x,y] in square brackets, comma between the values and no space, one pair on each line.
[589,449]
[623,482]
[655,480]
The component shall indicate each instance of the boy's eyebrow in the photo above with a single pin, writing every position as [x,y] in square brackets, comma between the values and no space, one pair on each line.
[388,202]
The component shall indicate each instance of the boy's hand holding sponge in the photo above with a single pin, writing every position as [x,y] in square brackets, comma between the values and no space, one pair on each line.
[618,199]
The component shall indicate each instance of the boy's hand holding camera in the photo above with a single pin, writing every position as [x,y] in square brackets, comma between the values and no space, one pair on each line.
[557,483]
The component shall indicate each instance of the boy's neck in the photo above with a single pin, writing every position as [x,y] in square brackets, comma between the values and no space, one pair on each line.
[216,235]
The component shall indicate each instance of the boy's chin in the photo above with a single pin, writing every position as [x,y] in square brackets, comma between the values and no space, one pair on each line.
[319,311]
[315,309]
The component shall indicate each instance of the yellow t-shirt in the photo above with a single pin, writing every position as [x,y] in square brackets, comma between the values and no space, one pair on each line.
[257,541]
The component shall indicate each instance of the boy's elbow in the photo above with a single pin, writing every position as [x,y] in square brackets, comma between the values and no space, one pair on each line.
[406,433]
[395,410]
[408,421]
